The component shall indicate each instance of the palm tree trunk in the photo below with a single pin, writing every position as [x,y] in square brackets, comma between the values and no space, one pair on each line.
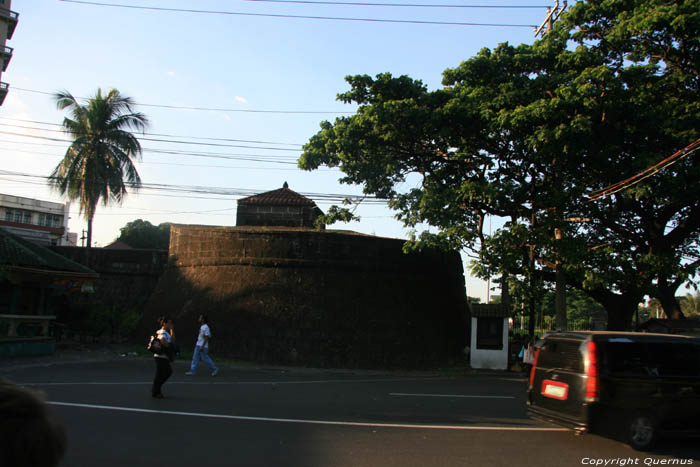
[89,229]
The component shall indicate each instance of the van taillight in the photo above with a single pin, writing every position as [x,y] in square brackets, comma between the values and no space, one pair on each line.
[534,366]
[592,386]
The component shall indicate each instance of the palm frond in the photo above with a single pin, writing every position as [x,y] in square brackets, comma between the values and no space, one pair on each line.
[98,165]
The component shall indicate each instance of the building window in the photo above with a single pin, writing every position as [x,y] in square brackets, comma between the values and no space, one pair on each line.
[27,217]
[18,217]
[8,215]
[56,221]
[489,333]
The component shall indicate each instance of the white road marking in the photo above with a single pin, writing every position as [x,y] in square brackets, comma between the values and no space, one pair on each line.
[309,422]
[449,395]
[210,382]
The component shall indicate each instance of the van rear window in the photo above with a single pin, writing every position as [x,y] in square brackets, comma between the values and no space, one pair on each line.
[562,355]
[628,358]
[676,359]
[653,359]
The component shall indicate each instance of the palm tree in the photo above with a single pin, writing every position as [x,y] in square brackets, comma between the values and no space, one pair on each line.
[98,164]
[690,304]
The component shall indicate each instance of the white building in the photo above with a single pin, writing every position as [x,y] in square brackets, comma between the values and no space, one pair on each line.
[8,23]
[41,222]
[489,337]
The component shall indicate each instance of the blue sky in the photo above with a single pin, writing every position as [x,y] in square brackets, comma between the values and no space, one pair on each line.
[223,61]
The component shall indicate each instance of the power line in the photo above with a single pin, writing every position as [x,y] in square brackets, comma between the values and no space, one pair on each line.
[221,191]
[209,109]
[141,138]
[175,164]
[411,5]
[326,18]
[670,160]
[261,158]
[145,133]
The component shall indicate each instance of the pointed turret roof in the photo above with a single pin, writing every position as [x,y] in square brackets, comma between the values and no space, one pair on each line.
[280,197]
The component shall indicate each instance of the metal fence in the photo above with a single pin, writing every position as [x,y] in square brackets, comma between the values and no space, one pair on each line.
[550,325]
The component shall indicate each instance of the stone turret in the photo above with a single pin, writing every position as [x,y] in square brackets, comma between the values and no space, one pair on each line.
[282,208]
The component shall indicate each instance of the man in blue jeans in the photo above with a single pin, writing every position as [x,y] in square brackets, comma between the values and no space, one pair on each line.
[201,350]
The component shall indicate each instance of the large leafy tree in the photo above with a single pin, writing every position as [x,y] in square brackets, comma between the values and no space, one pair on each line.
[143,234]
[98,164]
[531,133]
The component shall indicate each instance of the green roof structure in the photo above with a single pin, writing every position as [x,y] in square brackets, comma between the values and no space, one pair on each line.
[18,253]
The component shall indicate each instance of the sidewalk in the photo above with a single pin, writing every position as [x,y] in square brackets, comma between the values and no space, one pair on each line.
[67,353]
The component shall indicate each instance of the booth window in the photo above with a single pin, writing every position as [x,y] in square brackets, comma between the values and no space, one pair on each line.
[489,333]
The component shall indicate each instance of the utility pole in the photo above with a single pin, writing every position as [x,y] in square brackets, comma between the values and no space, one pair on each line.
[531,245]
[560,289]
[488,281]
[553,14]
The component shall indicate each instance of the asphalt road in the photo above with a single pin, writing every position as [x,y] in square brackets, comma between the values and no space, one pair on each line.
[252,416]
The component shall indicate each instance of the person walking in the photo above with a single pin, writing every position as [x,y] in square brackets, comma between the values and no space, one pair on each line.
[163,367]
[201,349]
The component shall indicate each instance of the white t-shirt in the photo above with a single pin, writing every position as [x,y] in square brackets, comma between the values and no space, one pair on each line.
[203,331]
[164,336]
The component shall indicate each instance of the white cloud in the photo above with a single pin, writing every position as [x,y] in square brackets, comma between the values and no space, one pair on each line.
[171,73]
[242,99]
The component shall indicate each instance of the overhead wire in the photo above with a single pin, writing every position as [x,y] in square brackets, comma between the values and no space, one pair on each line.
[259,158]
[221,191]
[325,18]
[175,164]
[142,138]
[144,133]
[668,161]
[208,109]
[410,5]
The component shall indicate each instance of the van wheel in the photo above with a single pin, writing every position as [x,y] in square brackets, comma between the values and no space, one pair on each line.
[642,431]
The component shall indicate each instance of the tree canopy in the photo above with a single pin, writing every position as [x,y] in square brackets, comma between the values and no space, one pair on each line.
[143,234]
[541,135]
[98,164]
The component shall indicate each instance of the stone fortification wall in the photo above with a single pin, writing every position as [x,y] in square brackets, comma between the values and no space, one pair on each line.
[139,262]
[127,279]
[319,298]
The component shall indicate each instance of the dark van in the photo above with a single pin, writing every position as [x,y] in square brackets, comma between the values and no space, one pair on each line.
[637,385]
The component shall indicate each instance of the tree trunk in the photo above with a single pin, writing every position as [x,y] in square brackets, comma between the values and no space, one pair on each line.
[620,319]
[560,300]
[670,305]
[620,308]
[667,297]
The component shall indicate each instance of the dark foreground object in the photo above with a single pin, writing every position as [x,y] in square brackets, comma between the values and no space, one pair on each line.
[635,387]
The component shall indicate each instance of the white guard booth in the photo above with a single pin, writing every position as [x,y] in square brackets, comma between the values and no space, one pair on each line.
[489,337]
